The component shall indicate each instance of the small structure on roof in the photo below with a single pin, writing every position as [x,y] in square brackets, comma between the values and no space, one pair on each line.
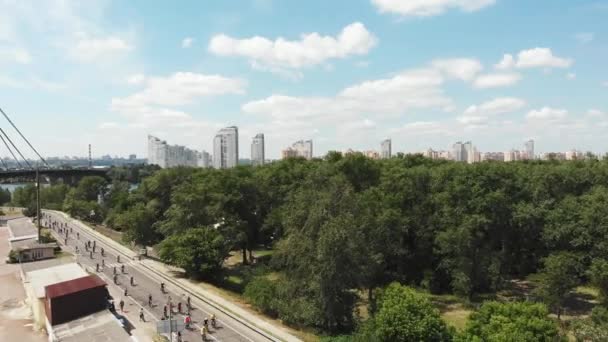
[29,249]
[76,298]
[36,281]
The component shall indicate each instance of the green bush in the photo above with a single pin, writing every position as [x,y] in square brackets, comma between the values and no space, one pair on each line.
[262,293]
[522,322]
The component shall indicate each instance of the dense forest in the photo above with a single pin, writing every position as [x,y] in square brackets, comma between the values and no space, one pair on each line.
[347,229]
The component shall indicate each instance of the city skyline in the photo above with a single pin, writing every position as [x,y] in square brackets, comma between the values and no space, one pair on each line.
[109,73]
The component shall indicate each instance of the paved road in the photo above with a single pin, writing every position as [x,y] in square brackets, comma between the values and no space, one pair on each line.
[146,282]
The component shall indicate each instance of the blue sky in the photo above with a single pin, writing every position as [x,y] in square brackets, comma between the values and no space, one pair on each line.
[346,74]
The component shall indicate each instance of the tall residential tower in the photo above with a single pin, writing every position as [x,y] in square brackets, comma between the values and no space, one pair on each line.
[386,149]
[226,148]
[257,150]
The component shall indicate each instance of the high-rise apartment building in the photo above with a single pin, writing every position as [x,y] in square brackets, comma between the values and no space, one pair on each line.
[301,148]
[204,159]
[164,155]
[459,152]
[469,150]
[257,150]
[386,149]
[529,148]
[226,148]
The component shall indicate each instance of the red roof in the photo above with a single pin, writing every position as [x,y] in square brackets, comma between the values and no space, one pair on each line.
[72,286]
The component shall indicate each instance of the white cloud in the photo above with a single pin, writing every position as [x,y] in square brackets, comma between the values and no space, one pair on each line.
[584,37]
[187,42]
[547,114]
[496,106]
[89,48]
[312,49]
[596,113]
[412,89]
[180,88]
[571,76]
[507,62]
[605,83]
[15,54]
[541,58]
[425,8]
[136,79]
[496,80]
[460,68]
[422,128]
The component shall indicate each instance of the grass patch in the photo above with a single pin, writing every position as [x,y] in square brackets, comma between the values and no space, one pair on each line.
[457,317]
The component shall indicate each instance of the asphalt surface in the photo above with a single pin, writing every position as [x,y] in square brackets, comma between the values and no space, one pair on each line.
[146,282]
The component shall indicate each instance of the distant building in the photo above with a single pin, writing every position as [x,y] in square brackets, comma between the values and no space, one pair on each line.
[226,148]
[386,149]
[529,148]
[257,150]
[132,156]
[514,155]
[497,156]
[204,159]
[459,152]
[301,148]
[164,155]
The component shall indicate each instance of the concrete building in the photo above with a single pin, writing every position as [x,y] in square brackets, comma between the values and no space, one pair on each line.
[459,152]
[257,150]
[164,155]
[37,281]
[204,159]
[386,149]
[226,148]
[529,149]
[496,156]
[301,148]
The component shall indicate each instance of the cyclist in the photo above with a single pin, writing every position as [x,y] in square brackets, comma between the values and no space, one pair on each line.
[213,320]
[150,300]
[162,287]
[206,322]
[204,333]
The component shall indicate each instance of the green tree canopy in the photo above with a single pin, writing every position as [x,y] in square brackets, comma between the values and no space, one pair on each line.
[406,315]
[510,322]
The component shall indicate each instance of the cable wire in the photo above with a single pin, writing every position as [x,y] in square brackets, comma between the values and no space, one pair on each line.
[24,138]
[11,151]
[16,149]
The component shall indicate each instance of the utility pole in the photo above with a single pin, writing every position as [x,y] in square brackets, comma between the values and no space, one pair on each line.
[38,203]
[90,159]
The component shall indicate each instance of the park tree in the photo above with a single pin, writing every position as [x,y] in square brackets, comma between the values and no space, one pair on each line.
[199,251]
[515,321]
[598,273]
[559,276]
[5,196]
[406,315]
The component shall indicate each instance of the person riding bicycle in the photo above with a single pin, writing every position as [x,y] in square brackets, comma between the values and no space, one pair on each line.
[162,287]
[213,320]
[204,333]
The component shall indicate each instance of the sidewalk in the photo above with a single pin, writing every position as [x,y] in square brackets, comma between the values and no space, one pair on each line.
[227,306]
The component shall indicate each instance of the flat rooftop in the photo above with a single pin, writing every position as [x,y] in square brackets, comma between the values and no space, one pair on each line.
[22,226]
[102,326]
[31,243]
[41,278]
